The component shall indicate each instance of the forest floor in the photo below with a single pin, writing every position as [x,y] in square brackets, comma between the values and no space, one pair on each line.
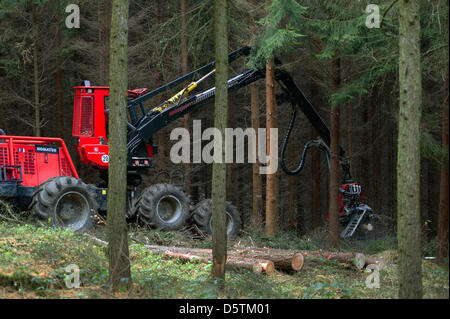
[33,261]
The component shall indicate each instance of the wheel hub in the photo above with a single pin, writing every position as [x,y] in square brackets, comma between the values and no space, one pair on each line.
[169,208]
[72,210]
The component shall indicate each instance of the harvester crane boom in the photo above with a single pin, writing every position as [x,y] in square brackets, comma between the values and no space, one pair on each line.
[141,132]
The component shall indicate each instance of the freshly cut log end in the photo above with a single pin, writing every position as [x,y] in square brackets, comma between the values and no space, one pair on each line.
[256,265]
[297,261]
[268,267]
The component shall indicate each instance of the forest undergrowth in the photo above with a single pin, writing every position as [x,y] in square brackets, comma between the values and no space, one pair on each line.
[34,260]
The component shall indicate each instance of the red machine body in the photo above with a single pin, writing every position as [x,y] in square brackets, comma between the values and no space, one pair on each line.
[90,125]
[349,195]
[33,160]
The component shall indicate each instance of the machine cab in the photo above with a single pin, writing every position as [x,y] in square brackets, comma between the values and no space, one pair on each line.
[90,122]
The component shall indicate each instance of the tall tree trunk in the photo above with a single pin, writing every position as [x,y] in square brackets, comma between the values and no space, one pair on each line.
[317,46]
[257,183]
[373,112]
[184,70]
[271,179]
[291,186]
[37,107]
[119,262]
[365,168]
[333,235]
[442,247]
[349,133]
[58,78]
[219,240]
[408,160]
[161,134]
[257,206]
[107,36]
[229,182]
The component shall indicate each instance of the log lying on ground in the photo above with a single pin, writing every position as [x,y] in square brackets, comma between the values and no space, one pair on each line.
[187,257]
[360,261]
[205,256]
[259,259]
[283,259]
[256,265]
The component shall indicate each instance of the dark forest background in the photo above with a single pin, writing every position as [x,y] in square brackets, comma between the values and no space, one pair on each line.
[41,61]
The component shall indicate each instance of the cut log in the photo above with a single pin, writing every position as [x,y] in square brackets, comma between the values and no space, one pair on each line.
[282,259]
[205,256]
[187,257]
[256,265]
[360,261]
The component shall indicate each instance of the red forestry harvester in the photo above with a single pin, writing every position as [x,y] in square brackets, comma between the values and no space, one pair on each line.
[38,173]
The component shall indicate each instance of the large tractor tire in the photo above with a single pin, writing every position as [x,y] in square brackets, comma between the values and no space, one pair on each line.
[202,216]
[67,202]
[163,206]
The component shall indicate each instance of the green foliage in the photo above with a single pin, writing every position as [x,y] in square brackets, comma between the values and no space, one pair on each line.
[281,29]
[432,149]
[33,259]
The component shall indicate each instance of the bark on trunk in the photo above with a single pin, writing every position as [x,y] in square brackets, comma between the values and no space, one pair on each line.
[257,206]
[37,107]
[119,262]
[291,186]
[184,70]
[373,112]
[161,135]
[271,191]
[333,235]
[229,182]
[408,160]
[349,133]
[58,80]
[442,248]
[271,179]
[257,183]
[219,238]
[106,35]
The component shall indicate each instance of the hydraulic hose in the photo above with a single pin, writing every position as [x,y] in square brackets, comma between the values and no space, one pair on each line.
[307,146]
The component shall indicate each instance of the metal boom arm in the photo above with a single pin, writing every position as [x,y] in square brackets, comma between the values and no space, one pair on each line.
[141,131]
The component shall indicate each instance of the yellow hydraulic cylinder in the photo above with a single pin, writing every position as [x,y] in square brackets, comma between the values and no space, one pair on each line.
[174,99]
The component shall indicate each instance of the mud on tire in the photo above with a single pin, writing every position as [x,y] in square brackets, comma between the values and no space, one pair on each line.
[66,201]
[163,206]
[202,217]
